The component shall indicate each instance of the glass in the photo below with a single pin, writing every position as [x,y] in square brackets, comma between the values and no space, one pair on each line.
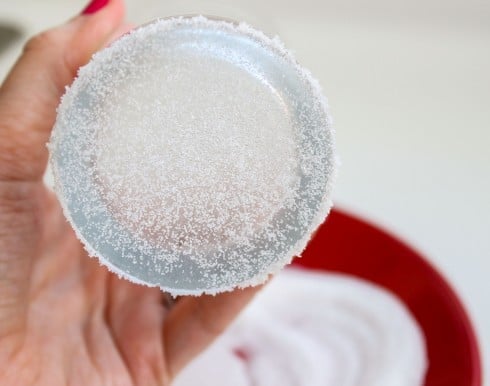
[242,204]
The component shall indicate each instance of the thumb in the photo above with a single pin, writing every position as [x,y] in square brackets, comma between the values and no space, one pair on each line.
[31,92]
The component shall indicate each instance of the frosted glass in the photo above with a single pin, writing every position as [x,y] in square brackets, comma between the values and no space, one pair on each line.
[194,155]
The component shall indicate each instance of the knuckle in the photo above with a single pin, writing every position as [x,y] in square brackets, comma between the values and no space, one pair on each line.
[41,41]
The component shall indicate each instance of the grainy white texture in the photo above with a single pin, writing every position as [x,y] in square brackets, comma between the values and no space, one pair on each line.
[315,329]
[194,155]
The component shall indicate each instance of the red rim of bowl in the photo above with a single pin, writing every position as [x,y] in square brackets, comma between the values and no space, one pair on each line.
[349,245]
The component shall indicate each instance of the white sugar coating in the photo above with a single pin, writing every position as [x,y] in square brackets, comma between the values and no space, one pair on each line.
[194,155]
[316,329]
[193,191]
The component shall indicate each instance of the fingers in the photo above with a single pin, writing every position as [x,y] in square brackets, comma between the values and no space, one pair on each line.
[135,315]
[194,322]
[28,101]
[31,92]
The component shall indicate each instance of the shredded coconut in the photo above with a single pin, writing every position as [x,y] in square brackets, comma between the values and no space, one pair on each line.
[194,155]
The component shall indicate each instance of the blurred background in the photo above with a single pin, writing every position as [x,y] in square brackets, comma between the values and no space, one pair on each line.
[409,89]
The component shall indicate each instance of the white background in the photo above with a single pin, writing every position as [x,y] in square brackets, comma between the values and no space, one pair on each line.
[409,88]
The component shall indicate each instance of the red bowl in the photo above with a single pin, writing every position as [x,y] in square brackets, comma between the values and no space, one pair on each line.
[349,245]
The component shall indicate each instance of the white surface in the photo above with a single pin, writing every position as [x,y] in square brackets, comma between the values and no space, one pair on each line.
[285,339]
[409,88]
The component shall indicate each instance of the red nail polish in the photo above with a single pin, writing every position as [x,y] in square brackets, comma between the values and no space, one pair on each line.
[94,6]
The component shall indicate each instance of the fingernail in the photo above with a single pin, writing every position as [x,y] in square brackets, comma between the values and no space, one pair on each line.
[94,6]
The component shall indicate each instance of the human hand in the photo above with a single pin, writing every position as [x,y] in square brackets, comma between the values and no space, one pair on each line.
[64,319]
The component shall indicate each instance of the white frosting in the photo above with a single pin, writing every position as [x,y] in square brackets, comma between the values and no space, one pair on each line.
[315,329]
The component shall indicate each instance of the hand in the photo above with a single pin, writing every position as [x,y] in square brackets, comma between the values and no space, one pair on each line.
[64,319]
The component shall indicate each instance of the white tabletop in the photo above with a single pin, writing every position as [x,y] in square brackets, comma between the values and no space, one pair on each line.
[409,88]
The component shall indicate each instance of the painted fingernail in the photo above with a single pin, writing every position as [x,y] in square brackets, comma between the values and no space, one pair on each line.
[94,6]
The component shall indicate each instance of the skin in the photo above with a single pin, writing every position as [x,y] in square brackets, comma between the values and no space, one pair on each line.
[64,319]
